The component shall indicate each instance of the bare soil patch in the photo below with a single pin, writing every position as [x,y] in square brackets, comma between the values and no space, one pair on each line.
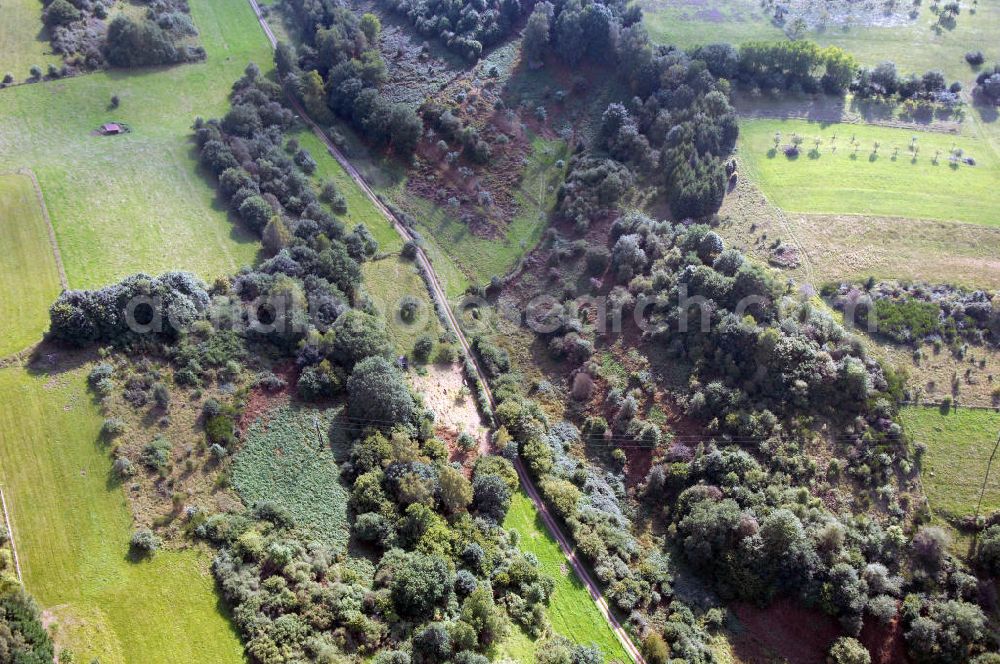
[446,392]
[260,401]
[784,631]
[885,643]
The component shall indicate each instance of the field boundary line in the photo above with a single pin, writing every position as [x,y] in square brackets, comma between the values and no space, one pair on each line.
[438,294]
[63,281]
[10,534]
[951,406]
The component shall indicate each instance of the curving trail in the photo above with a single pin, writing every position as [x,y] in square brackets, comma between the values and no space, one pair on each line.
[63,281]
[438,293]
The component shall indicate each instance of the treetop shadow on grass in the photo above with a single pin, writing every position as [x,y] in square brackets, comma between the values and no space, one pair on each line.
[52,359]
[987,112]
[238,231]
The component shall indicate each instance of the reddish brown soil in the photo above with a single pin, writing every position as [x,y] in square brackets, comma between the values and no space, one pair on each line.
[260,401]
[435,180]
[639,461]
[785,630]
[456,453]
[885,642]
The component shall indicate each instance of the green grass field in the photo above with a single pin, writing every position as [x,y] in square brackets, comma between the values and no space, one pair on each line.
[572,612]
[387,281]
[28,272]
[72,527]
[839,181]
[914,47]
[136,202]
[959,445]
[23,39]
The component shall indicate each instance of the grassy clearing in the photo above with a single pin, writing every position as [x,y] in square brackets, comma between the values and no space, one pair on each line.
[471,259]
[849,247]
[914,47]
[285,459]
[28,273]
[842,181]
[959,445]
[73,525]
[24,41]
[387,281]
[136,202]
[572,612]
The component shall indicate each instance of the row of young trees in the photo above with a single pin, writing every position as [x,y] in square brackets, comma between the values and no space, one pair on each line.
[339,71]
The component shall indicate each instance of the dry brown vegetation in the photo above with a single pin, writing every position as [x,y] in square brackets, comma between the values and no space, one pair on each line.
[973,380]
[191,478]
[834,248]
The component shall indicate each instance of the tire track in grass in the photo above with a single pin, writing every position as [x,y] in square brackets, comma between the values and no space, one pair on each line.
[63,281]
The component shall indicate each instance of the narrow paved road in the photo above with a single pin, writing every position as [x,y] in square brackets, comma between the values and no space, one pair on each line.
[438,293]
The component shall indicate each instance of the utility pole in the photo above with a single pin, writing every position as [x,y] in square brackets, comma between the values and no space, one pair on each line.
[986,479]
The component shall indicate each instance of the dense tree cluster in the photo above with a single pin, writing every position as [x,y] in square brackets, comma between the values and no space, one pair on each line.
[298,301]
[166,306]
[442,585]
[576,30]
[339,69]
[883,81]
[593,187]
[23,638]
[675,131]
[160,36]
[756,536]
[758,360]
[464,27]
[914,312]
[589,501]
[988,85]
